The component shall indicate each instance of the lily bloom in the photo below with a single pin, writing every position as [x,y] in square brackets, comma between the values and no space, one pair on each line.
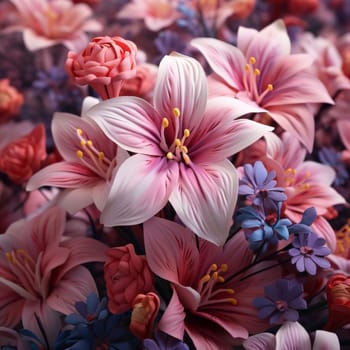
[182,144]
[261,72]
[41,274]
[306,183]
[157,14]
[50,22]
[89,161]
[212,298]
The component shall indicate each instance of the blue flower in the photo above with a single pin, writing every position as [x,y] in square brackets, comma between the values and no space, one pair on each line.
[308,252]
[163,341]
[281,302]
[93,327]
[260,187]
[262,231]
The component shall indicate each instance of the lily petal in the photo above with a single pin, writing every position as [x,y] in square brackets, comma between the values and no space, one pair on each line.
[292,335]
[141,188]
[205,198]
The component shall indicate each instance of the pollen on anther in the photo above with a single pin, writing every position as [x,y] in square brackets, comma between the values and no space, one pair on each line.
[252,60]
[223,267]
[186,133]
[165,122]
[83,142]
[247,67]
[257,71]
[169,155]
[176,112]
[177,142]
[270,87]
[80,154]
[101,155]
[89,142]
[213,267]
[79,131]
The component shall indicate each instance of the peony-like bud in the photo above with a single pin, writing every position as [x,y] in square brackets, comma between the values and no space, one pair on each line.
[20,159]
[104,65]
[338,298]
[144,312]
[10,101]
[127,275]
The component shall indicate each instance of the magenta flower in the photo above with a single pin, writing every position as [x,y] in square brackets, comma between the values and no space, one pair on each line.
[41,274]
[261,71]
[181,145]
[90,161]
[211,301]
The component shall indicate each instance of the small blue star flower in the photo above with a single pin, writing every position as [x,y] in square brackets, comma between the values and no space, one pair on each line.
[281,302]
[163,341]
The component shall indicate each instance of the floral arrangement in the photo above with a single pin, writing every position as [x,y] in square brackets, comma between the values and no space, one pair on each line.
[174,174]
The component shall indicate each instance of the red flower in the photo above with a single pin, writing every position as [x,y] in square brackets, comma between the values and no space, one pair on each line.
[10,100]
[127,275]
[104,65]
[338,296]
[20,159]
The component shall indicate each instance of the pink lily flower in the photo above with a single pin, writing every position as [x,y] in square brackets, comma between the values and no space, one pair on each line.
[212,300]
[90,161]
[182,145]
[292,335]
[307,183]
[261,71]
[41,274]
[50,22]
[157,14]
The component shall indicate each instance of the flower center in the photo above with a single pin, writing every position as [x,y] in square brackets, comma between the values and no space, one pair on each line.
[298,182]
[306,250]
[94,159]
[208,287]
[281,305]
[27,282]
[177,150]
[343,241]
[250,81]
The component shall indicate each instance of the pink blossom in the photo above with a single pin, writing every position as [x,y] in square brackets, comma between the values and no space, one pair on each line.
[89,163]
[181,145]
[126,275]
[157,14]
[41,274]
[292,335]
[104,65]
[212,299]
[261,72]
[22,157]
[49,22]
[307,183]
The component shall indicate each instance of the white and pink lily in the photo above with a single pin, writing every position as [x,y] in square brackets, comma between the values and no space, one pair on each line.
[182,143]
[89,163]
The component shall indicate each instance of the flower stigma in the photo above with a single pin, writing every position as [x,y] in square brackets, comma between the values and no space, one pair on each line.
[250,80]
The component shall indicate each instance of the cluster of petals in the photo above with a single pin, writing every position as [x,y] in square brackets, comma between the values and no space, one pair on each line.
[126,275]
[42,274]
[89,162]
[11,100]
[182,143]
[104,65]
[49,22]
[213,287]
[20,159]
[261,71]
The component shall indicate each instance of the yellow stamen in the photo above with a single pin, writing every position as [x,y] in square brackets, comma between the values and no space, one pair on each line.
[176,112]
[83,142]
[224,267]
[177,142]
[247,67]
[205,278]
[165,123]
[89,142]
[101,155]
[80,132]
[270,87]
[252,60]
[213,267]
[169,155]
[233,301]
[221,279]
[186,158]
[257,71]
[80,154]
[186,133]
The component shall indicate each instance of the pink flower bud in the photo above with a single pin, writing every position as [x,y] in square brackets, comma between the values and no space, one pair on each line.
[20,159]
[126,275]
[144,312]
[104,65]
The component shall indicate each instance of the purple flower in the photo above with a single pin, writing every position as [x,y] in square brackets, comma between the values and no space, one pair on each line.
[308,252]
[259,186]
[163,341]
[281,302]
